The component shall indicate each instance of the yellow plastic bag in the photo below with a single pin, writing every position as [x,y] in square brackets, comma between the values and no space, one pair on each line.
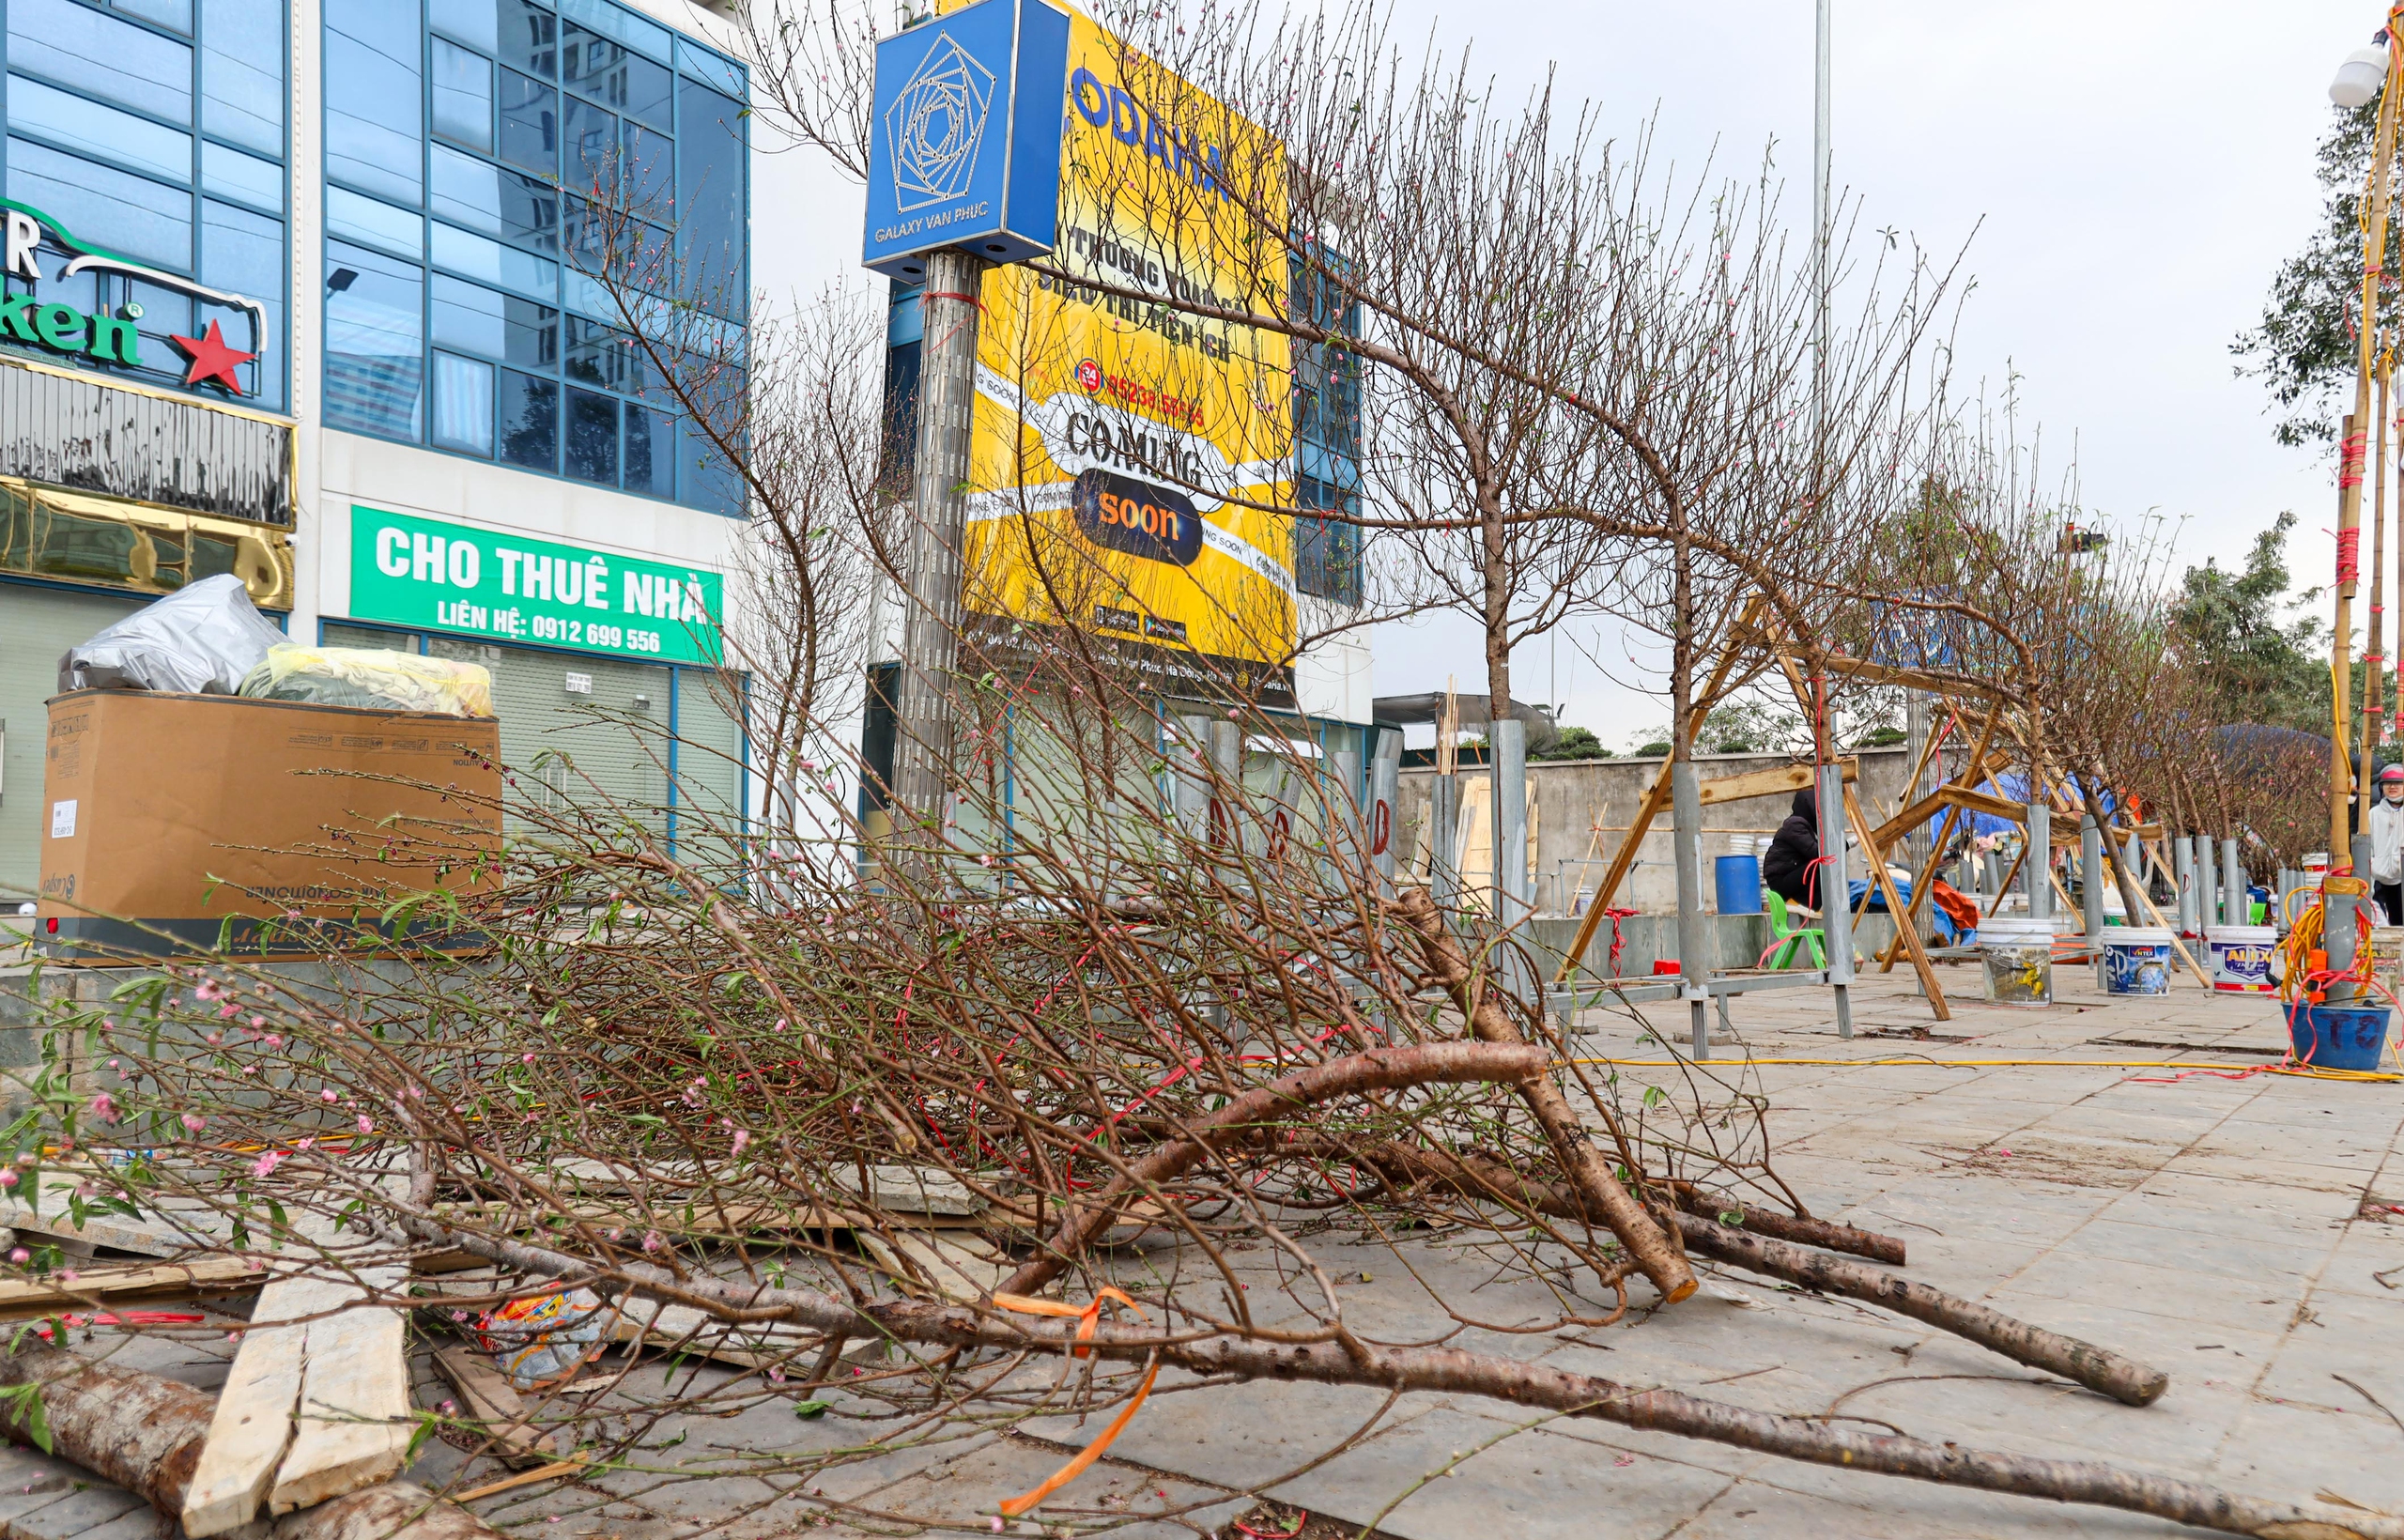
[371,677]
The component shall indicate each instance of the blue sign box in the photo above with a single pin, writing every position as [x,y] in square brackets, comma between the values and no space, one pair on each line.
[965,150]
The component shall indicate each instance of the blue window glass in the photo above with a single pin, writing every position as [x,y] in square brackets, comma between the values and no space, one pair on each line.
[76,45]
[163,314]
[710,191]
[601,355]
[650,456]
[713,68]
[530,421]
[375,117]
[480,320]
[357,217]
[591,140]
[231,174]
[592,436]
[175,14]
[705,479]
[530,124]
[647,170]
[516,32]
[135,143]
[241,73]
[240,251]
[601,68]
[104,206]
[499,203]
[375,341]
[495,263]
[463,404]
[645,36]
[462,95]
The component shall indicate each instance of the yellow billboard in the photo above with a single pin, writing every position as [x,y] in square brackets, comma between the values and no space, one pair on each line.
[1130,462]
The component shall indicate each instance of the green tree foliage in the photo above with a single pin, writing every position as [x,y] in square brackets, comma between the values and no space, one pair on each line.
[2304,347]
[1575,743]
[2263,668]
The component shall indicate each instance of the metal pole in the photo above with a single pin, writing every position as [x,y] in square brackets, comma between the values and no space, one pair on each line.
[2207,884]
[1509,767]
[1819,210]
[1227,783]
[1686,840]
[1914,744]
[1443,838]
[2235,904]
[2090,891]
[2182,865]
[1835,890]
[1385,780]
[2036,867]
[922,750]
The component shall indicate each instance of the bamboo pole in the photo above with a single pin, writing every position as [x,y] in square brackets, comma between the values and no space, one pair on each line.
[2351,467]
[2375,635]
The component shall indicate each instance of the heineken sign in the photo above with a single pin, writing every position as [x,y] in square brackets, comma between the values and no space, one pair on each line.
[105,336]
[429,574]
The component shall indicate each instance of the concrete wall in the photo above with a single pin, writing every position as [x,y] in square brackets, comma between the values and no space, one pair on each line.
[1568,800]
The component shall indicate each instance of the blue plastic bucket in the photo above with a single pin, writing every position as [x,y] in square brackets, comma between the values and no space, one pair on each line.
[1738,879]
[2338,1037]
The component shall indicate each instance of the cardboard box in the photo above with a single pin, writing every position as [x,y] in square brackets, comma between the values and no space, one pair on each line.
[272,828]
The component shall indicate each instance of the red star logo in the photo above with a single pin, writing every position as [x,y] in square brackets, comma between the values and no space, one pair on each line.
[213,358]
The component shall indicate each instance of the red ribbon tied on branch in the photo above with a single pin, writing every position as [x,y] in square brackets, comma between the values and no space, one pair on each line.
[2350,465]
[2350,554]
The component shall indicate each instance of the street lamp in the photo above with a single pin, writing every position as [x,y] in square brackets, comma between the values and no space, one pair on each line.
[2359,78]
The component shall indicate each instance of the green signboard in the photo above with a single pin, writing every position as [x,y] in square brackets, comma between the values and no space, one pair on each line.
[425,573]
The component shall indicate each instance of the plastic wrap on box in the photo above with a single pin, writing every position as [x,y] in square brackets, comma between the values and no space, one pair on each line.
[198,640]
[543,1341]
[371,677]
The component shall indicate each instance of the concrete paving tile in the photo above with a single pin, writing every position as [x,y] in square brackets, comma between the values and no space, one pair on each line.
[2298,1254]
[1867,1509]
[1238,1437]
[2205,1298]
[2194,1202]
[1527,1484]
[2269,1171]
[2295,1450]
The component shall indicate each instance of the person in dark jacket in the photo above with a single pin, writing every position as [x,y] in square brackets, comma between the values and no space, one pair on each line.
[1787,869]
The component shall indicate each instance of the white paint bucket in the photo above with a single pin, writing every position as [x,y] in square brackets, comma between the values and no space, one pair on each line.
[2136,959]
[2016,955]
[2241,957]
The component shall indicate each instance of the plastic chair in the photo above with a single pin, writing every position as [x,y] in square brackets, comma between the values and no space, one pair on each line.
[1786,938]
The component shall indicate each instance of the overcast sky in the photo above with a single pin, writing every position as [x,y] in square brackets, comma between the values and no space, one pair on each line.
[2132,171]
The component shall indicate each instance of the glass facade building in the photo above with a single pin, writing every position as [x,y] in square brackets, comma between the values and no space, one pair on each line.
[156,129]
[508,185]
[1327,440]
[273,273]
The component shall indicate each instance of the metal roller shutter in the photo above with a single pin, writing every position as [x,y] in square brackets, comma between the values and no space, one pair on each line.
[710,780]
[562,744]
[36,624]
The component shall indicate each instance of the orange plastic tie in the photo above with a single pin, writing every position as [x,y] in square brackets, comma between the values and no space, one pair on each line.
[1086,1319]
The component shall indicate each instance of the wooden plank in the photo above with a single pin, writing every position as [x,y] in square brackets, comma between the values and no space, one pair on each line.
[253,1425]
[486,1395]
[101,1287]
[929,1265]
[1754,783]
[143,1237]
[354,1423]
[1948,796]
[685,1329]
[1896,909]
